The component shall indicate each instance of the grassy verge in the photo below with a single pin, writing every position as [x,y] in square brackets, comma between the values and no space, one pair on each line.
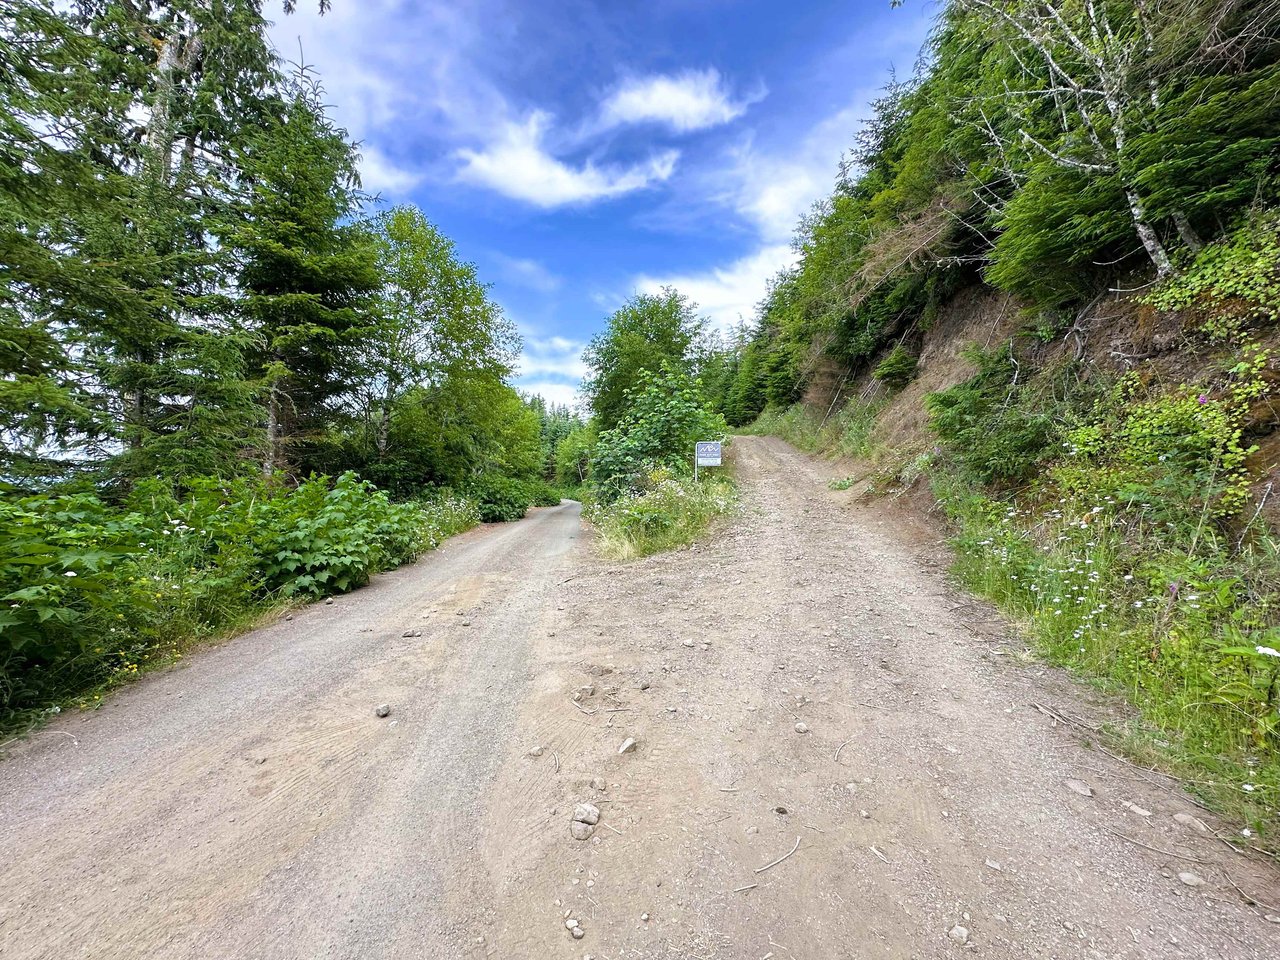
[844,433]
[670,513]
[1184,634]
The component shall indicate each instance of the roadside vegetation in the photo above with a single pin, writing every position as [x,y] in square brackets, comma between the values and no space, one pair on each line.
[228,380]
[1104,179]
[634,459]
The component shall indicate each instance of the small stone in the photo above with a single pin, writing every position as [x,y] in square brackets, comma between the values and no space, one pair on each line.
[1191,879]
[536,752]
[598,783]
[628,746]
[1273,917]
[1190,822]
[644,684]
[995,865]
[866,815]
[581,831]
[959,934]
[588,691]
[586,813]
[687,643]
[644,917]
[578,933]
[328,601]
[802,727]
[412,633]
[571,923]
[1078,786]
[466,623]
[1140,811]
[382,710]
[289,617]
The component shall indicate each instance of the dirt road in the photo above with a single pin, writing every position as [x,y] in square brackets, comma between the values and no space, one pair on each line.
[251,805]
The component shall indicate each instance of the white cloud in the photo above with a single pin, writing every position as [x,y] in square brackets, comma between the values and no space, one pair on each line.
[692,100]
[379,174]
[563,394]
[729,294]
[516,165]
[772,188]
[527,273]
[551,356]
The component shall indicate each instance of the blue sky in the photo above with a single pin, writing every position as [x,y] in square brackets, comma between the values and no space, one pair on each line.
[580,152]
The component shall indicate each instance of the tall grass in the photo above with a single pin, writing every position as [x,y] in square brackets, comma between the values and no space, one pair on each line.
[844,433]
[1186,629]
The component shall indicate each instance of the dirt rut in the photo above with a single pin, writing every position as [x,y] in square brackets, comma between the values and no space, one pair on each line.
[251,805]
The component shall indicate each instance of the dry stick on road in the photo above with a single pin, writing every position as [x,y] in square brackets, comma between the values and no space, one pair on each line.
[749,886]
[589,713]
[780,859]
[842,746]
[879,854]
[1167,853]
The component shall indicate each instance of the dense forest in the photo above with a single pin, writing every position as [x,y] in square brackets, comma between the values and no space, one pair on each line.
[1080,199]
[227,375]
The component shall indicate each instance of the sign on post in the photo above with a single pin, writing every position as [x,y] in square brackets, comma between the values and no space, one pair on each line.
[706,453]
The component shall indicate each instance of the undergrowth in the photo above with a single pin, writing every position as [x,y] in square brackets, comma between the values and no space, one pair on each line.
[668,511]
[94,593]
[843,433]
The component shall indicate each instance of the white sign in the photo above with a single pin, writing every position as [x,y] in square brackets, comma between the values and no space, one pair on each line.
[707,453]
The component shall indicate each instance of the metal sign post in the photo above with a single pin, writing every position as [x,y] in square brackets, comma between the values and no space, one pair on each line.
[706,453]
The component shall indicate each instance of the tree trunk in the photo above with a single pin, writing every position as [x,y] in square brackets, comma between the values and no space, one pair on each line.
[271,460]
[1187,232]
[1147,234]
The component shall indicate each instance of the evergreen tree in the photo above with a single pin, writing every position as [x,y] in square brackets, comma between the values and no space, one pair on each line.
[306,272]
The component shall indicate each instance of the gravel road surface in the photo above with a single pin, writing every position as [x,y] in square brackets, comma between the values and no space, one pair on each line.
[836,756]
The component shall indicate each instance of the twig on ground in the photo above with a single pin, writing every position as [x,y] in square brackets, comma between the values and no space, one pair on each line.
[556,757]
[778,861]
[1249,898]
[749,886]
[842,746]
[879,854]
[614,829]
[589,713]
[617,709]
[728,789]
[1167,853]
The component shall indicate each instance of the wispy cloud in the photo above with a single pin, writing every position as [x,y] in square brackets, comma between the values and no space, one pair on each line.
[379,174]
[688,101]
[551,357]
[727,295]
[516,164]
[527,273]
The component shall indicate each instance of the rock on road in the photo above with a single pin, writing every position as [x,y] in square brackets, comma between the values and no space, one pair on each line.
[804,673]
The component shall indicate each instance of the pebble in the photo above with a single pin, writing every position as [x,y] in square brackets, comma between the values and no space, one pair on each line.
[382,710]
[1078,786]
[328,601]
[578,933]
[570,923]
[597,783]
[1191,879]
[536,752]
[1190,822]
[959,934]
[628,746]
[687,643]
[644,684]
[1140,811]
[802,727]
[581,831]
[586,813]
[865,815]
[412,633]
[644,917]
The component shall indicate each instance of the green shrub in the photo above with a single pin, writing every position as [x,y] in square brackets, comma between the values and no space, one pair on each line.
[666,414]
[91,593]
[898,368]
[500,499]
[997,428]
